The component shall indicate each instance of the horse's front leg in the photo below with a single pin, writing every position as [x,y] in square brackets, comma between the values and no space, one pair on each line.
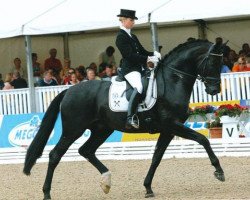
[187,133]
[162,144]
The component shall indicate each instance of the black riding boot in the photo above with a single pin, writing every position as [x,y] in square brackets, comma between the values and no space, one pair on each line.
[132,120]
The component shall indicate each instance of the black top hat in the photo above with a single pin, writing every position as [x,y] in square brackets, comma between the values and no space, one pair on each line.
[127,13]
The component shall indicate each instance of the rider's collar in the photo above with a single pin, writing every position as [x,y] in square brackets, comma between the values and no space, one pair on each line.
[128,31]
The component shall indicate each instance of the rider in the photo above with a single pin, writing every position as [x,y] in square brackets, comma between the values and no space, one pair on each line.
[134,59]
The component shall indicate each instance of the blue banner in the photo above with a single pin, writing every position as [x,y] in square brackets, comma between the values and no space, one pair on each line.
[19,130]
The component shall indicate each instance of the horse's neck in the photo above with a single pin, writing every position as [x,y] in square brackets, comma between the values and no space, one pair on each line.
[174,87]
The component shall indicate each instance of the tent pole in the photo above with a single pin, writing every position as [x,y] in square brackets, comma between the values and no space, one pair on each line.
[154,33]
[30,73]
[66,45]
[202,31]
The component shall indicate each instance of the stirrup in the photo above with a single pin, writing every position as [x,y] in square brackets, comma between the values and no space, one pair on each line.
[133,122]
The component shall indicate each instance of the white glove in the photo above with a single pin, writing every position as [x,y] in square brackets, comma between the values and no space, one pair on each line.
[153,59]
[157,54]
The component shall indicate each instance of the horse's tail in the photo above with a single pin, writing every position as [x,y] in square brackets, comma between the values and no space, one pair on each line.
[36,147]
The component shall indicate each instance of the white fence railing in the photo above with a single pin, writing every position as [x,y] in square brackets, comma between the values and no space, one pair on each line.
[234,86]
[138,150]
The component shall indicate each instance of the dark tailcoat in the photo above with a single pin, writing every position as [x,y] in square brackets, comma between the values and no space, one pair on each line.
[134,56]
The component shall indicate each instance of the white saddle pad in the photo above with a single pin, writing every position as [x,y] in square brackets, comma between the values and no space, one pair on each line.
[117,96]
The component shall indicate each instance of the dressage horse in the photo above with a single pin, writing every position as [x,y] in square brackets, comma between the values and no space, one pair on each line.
[86,106]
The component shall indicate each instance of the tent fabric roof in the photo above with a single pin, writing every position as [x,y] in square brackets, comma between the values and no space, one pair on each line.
[29,17]
[183,10]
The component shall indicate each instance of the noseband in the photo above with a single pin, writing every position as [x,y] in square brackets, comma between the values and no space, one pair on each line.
[201,68]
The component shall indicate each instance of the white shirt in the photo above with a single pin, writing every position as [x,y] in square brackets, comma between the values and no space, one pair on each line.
[128,31]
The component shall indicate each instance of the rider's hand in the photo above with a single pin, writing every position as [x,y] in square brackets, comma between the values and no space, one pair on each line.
[157,54]
[152,61]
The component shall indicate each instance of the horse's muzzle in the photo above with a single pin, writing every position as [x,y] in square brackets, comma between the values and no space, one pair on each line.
[212,90]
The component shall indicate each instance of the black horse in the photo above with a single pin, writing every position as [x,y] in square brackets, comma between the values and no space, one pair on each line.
[85,106]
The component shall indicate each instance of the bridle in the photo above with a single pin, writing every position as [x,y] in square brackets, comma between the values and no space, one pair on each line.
[201,68]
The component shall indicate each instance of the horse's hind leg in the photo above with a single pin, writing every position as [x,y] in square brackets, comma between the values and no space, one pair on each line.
[99,134]
[187,133]
[54,158]
[162,143]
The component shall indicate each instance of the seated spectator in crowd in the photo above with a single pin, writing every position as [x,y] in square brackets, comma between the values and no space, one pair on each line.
[67,77]
[65,69]
[108,73]
[232,58]
[53,63]
[18,68]
[37,69]
[47,79]
[8,78]
[94,67]
[245,50]
[108,56]
[1,82]
[102,68]
[80,73]
[247,64]
[91,75]
[18,82]
[73,79]
[225,69]
[240,65]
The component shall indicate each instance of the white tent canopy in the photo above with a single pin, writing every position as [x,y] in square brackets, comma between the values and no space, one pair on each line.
[184,10]
[29,17]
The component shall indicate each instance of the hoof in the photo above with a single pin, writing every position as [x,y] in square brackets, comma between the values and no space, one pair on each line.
[106,182]
[47,197]
[220,176]
[149,195]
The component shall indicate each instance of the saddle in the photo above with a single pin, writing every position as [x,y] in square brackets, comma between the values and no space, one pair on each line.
[120,92]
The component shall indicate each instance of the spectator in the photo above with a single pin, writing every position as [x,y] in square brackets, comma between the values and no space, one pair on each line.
[232,58]
[91,75]
[47,79]
[1,82]
[245,49]
[19,68]
[37,69]
[226,49]
[80,73]
[67,77]
[225,69]
[7,80]
[108,73]
[102,68]
[53,63]
[65,69]
[73,79]
[18,82]
[94,67]
[240,65]
[247,64]
[108,56]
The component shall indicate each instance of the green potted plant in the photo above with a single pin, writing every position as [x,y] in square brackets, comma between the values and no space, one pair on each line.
[215,128]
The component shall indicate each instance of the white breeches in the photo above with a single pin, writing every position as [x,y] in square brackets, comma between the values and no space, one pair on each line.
[134,79]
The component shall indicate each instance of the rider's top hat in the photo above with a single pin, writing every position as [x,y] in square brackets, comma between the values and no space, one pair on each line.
[127,14]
